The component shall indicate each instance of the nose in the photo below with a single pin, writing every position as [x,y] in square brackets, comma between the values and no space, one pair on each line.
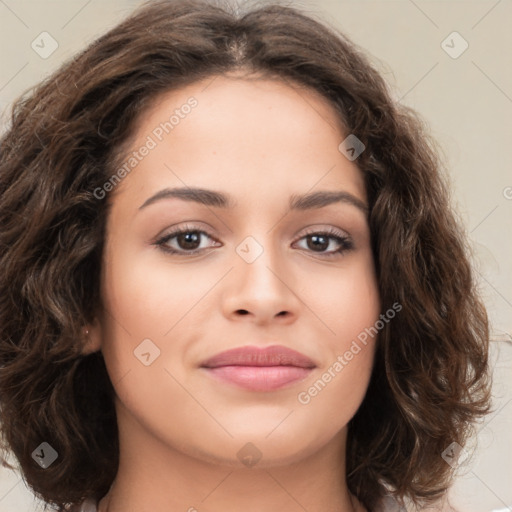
[261,291]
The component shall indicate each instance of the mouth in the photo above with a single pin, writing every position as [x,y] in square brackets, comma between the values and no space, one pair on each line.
[259,369]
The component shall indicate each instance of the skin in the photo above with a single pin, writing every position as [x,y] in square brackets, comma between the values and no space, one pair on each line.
[260,141]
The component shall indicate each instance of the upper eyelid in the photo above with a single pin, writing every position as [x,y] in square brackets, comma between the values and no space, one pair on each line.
[185,229]
[309,230]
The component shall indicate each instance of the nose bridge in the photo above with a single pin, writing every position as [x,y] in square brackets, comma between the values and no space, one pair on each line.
[259,263]
[259,283]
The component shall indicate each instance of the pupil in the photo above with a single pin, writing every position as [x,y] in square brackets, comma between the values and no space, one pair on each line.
[318,241]
[190,237]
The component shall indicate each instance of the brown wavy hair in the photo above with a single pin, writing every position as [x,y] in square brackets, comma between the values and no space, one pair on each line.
[430,379]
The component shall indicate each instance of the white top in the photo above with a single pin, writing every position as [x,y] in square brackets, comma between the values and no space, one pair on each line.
[387,505]
[88,505]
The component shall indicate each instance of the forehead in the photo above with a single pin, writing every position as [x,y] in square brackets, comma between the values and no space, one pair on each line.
[254,136]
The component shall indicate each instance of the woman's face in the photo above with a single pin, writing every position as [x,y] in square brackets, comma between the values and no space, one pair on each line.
[252,269]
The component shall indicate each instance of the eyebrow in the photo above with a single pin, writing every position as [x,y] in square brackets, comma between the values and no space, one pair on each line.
[303,202]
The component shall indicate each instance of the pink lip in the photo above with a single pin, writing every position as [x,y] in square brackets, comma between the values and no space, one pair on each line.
[259,369]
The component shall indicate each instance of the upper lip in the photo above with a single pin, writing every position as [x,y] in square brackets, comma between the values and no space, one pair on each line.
[275,355]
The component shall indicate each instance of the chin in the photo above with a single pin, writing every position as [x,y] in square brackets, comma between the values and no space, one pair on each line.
[259,450]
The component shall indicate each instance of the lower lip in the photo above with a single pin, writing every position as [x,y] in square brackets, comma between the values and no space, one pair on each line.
[260,378]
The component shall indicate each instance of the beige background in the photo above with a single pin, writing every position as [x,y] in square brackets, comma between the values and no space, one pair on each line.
[467,102]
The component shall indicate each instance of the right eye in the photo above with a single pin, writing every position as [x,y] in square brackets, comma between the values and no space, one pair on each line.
[185,241]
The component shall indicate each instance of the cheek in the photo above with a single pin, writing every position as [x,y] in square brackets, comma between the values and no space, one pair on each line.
[349,307]
[338,390]
[346,300]
[144,305]
[148,298]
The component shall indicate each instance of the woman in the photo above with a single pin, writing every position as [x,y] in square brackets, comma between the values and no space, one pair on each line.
[231,278]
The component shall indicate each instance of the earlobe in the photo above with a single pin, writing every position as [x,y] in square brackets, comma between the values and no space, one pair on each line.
[91,339]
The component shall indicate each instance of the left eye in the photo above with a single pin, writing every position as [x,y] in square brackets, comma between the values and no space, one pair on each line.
[319,242]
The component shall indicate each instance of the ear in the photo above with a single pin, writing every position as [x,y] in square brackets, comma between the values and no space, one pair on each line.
[92,338]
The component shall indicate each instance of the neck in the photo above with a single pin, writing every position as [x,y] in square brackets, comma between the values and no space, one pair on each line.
[154,476]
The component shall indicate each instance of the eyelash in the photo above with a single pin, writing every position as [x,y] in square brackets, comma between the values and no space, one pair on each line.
[345,242]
